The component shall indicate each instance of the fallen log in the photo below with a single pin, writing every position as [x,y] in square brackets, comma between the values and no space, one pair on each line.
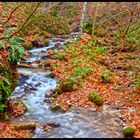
[25,65]
[26,126]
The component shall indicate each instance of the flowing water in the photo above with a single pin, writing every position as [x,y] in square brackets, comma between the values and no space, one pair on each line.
[77,123]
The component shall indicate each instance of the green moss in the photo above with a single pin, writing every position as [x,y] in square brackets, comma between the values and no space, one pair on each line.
[96,98]
[137,82]
[67,86]
[105,77]
[56,92]
[59,56]
[51,68]
[99,49]
[128,131]
[57,107]
[88,26]
[51,75]
[6,117]
[47,64]
[40,65]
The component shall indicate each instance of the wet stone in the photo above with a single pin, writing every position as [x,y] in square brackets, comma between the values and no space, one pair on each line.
[48,94]
[38,84]
[47,100]
[53,124]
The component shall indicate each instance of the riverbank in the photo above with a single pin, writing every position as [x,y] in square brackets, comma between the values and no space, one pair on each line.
[110,77]
[35,91]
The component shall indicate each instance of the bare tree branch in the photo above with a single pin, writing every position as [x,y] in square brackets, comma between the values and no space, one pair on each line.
[12,13]
[110,17]
[136,23]
[129,24]
[46,10]
[23,23]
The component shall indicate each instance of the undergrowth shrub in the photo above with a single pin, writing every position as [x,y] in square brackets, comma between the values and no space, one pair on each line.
[9,57]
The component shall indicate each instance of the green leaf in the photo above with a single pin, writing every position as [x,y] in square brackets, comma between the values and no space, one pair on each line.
[3,45]
[2,106]
[16,40]
[0,96]
[6,32]
[92,43]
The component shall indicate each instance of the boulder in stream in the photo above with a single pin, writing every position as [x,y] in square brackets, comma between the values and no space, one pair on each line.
[44,57]
[47,100]
[48,126]
[57,107]
[36,44]
[48,93]
[53,124]
[57,45]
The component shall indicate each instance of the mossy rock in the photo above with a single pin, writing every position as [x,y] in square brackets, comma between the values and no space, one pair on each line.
[105,79]
[5,116]
[96,98]
[56,92]
[67,86]
[40,65]
[59,56]
[51,75]
[47,64]
[128,131]
[57,107]
[29,47]
[51,68]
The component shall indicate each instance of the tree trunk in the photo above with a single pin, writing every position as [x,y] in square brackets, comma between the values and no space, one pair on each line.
[82,18]
[94,21]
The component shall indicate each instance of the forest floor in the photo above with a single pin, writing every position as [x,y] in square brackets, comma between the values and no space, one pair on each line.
[120,92]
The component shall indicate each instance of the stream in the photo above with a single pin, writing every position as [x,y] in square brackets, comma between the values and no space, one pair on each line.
[33,90]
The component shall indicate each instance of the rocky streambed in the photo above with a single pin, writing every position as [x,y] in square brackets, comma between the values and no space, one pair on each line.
[33,89]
